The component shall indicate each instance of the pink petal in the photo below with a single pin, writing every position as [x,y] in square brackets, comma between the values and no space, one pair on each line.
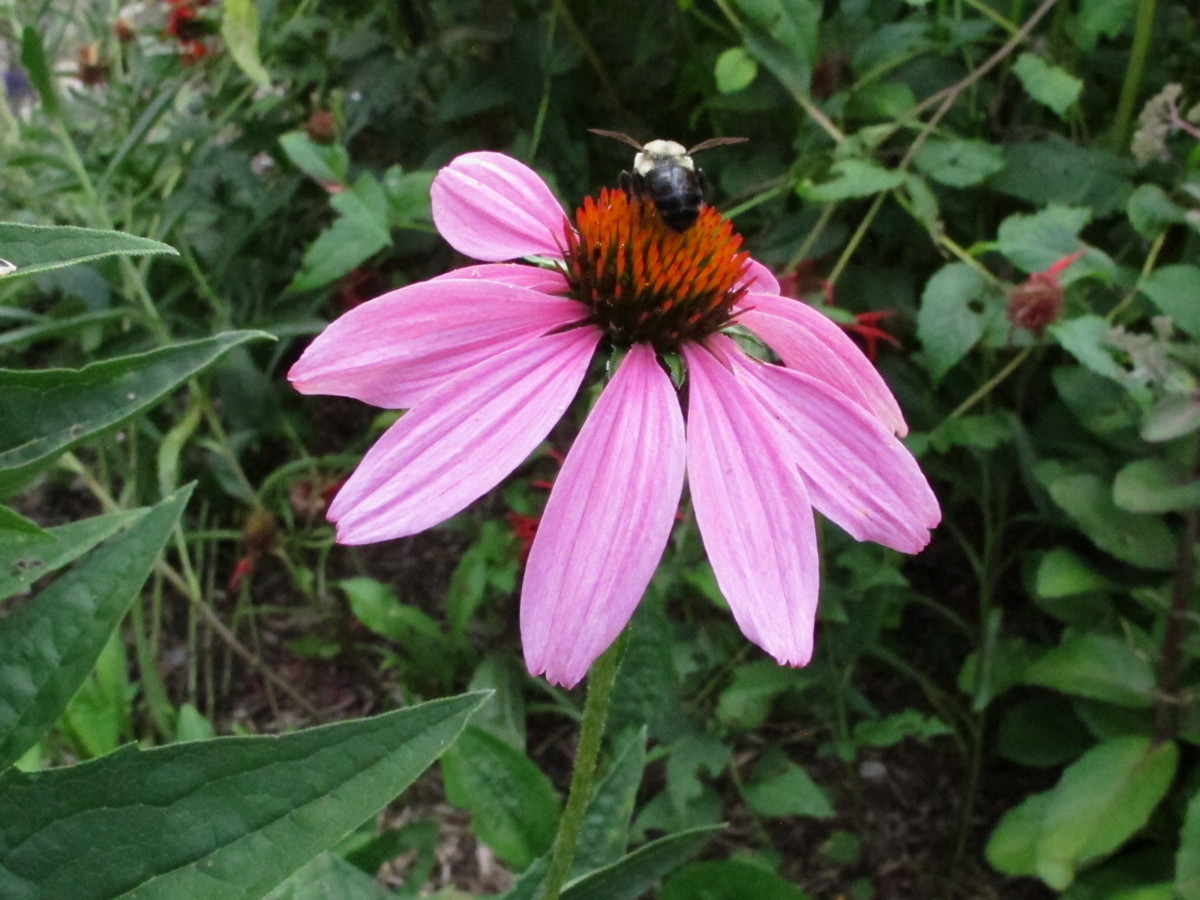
[857,473]
[491,207]
[393,350]
[462,439]
[545,281]
[753,511]
[759,278]
[606,524]
[811,343]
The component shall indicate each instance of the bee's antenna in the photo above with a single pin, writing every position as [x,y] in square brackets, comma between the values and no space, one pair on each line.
[617,136]
[716,142]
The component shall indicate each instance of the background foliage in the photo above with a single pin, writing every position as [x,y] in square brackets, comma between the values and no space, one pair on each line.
[1000,199]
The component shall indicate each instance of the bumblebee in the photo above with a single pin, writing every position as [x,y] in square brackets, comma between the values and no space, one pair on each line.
[664,173]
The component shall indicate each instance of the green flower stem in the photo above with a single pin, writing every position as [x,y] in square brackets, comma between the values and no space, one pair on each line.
[1132,85]
[600,685]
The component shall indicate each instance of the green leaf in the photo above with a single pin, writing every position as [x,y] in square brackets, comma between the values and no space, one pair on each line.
[14,525]
[40,248]
[1155,486]
[1086,338]
[1012,846]
[239,28]
[1151,211]
[1096,666]
[361,231]
[376,606]
[735,70]
[783,35]
[746,703]
[1035,242]
[605,833]
[1103,799]
[1187,860]
[957,308]
[959,163]
[1176,291]
[1041,731]
[50,643]
[1054,170]
[324,163]
[330,876]
[48,412]
[33,58]
[891,730]
[226,819]
[514,808]
[1105,18]
[1136,538]
[636,873]
[787,790]
[1173,416]
[853,177]
[728,880]
[1061,573]
[1049,85]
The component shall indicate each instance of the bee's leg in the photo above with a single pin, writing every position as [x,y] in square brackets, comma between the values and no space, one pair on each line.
[631,183]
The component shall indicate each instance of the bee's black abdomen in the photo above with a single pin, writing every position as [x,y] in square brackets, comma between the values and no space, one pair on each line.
[676,192]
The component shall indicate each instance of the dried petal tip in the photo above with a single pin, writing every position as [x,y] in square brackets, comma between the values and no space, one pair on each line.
[646,282]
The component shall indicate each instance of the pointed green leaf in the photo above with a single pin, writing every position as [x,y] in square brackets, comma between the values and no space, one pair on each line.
[514,808]
[1154,486]
[50,643]
[16,525]
[39,248]
[957,308]
[957,162]
[33,58]
[48,412]
[239,28]
[1012,846]
[26,557]
[1102,800]
[226,819]
[853,178]
[329,876]
[632,876]
[605,833]
[729,879]
[1176,291]
[1096,666]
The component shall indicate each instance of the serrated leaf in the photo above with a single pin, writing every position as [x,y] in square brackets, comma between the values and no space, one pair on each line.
[50,643]
[226,819]
[1036,241]
[239,29]
[735,69]
[783,35]
[1155,486]
[957,162]
[40,248]
[514,807]
[853,178]
[361,231]
[1096,666]
[957,307]
[1054,170]
[48,412]
[747,701]
[1050,85]
[1102,800]
[728,879]
[1176,291]
[324,163]
[1086,338]
[790,792]
[1151,211]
